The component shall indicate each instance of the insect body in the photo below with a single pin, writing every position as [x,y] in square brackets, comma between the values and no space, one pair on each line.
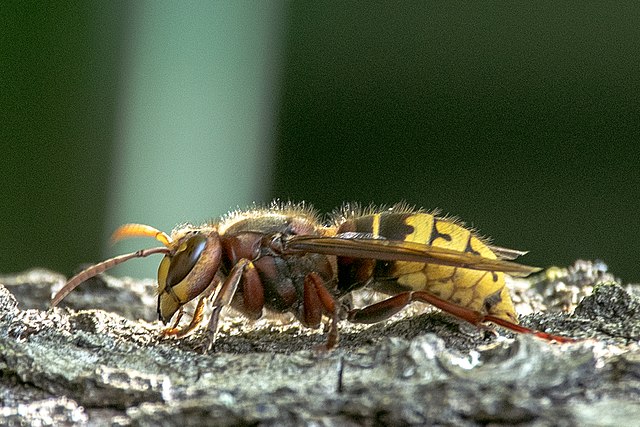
[284,259]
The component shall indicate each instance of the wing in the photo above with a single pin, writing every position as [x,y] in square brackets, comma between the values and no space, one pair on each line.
[354,245]
[506,253]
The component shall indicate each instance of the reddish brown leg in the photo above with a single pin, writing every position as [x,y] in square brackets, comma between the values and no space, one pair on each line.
[196,319]
[252,293]
[169,330]
[380,311]
[387,308]
[311,304]
[318,301]
[523,330]
[228,290]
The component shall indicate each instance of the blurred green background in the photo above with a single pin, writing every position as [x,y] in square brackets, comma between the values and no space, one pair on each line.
[522,119]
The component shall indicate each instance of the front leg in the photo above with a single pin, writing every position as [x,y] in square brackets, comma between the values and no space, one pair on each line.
[196,318]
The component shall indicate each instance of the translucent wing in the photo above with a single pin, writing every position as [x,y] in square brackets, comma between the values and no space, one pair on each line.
[506,253]
[355,246]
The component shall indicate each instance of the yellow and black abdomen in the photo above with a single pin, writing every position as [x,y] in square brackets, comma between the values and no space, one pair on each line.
[483,291]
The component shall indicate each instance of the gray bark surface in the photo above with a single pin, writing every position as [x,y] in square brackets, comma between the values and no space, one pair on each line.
[100,359]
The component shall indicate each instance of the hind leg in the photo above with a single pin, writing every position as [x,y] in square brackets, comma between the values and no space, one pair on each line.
[384,309]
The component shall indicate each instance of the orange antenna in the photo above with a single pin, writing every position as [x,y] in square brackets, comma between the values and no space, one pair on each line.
[100,267]
[140,230]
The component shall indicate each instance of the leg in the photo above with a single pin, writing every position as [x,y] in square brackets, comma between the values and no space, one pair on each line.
[196,318]
[252,301]
[169,330]
[523,330]
[318,301]
[387,308]
[243,270]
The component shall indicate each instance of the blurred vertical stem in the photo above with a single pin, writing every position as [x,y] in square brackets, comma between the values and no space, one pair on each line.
[196,115]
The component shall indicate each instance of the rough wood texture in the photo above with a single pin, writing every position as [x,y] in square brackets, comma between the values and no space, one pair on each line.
[100,366]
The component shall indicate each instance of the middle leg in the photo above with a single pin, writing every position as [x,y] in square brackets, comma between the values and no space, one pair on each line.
[317,300]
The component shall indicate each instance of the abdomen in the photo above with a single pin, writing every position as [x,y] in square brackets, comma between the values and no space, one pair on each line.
[483,291]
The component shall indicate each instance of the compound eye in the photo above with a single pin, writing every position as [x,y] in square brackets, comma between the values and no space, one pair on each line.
[185,259]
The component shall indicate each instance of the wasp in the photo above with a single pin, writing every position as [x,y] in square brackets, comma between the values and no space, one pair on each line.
[283,258]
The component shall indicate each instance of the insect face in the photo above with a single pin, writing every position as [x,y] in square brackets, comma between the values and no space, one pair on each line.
[187,270]
[192,258]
